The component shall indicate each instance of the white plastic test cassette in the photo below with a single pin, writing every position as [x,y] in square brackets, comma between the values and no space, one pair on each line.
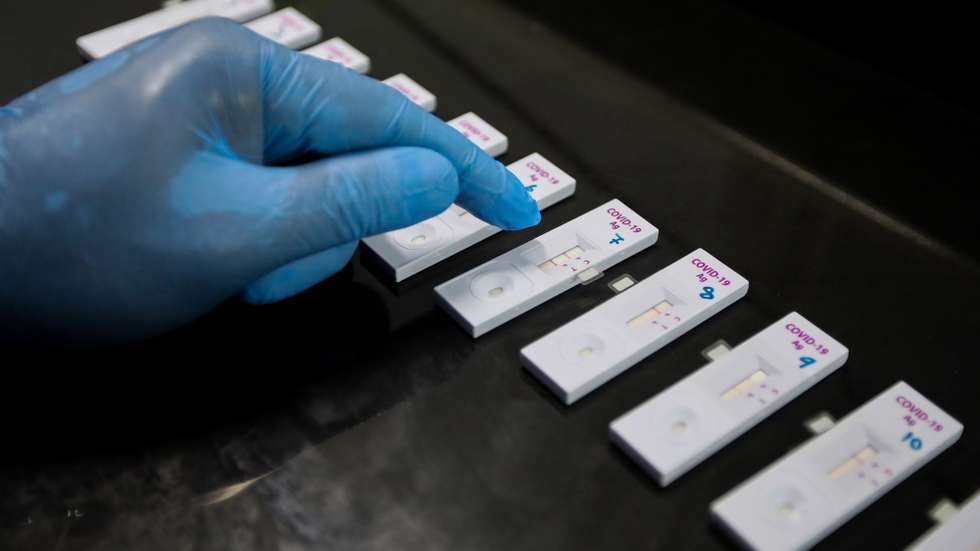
[517,281]
[581,355]
[410,250]
[414,91]
[288,27]
[481,133]
[806,495]
[683,425]
[104,42]
[959,533]
[340,51]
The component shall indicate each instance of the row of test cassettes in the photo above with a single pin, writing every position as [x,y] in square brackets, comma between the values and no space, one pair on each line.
[792,504]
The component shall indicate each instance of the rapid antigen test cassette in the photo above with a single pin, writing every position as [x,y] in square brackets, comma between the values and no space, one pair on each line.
[808,494]
[959,533]
[685,424]
[481,133]
[515,282]
[418,95]
[102,43]
[288,27]
[340,51]
[578,357]
[410,250]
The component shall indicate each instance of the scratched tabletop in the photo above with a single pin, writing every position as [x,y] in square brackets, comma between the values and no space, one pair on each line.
[360,416]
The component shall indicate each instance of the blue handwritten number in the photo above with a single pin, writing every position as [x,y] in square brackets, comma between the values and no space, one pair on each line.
[619,239]
[806,361]
[708,294]
[531,188]
[914,443]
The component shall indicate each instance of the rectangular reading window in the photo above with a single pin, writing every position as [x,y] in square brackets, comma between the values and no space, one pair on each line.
[745,385]
[853,462]
[561,259]
[649,315]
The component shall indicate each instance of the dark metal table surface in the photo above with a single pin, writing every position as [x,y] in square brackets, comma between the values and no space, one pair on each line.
[360,416]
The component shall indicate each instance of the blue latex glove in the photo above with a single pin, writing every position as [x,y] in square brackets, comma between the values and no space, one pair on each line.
[141,190]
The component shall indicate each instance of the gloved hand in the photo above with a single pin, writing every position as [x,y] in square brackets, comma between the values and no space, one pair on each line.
[141,190]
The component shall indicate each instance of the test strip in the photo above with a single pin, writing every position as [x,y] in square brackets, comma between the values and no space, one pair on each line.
[809,493]
[410,250]
[340,51]
[959,533]
[581,355]
[685,424]
[481,133]
[515,282]
[413,91]
[102,43]
[288,27]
